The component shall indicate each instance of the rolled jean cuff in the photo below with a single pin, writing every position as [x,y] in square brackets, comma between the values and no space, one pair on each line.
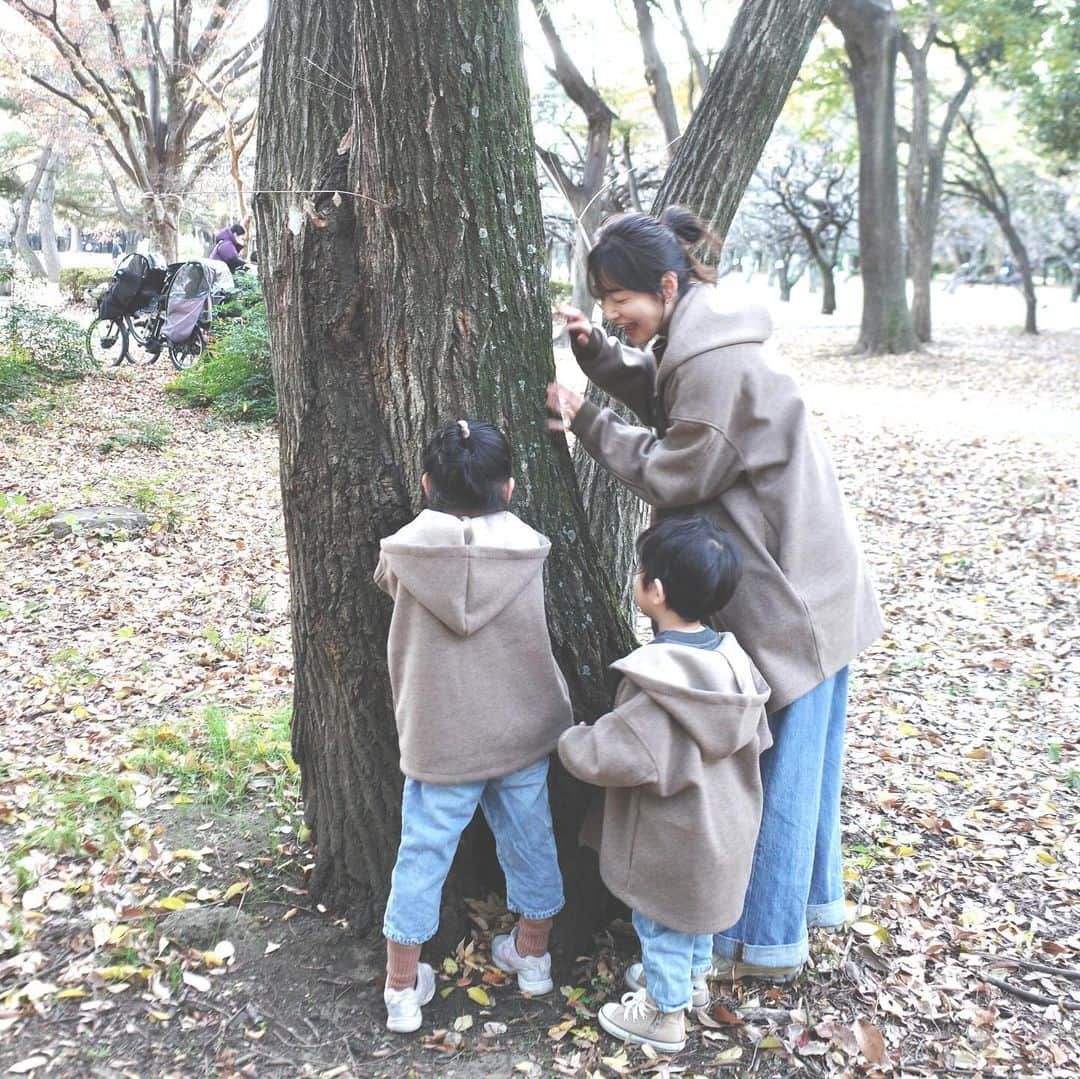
[826,915]
[516,908]
[664,1006]
[773,956]
[401,938]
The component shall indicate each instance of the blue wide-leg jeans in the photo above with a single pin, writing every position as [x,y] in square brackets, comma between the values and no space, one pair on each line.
[796,880]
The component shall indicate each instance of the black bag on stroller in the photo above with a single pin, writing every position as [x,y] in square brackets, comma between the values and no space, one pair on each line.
[135,285]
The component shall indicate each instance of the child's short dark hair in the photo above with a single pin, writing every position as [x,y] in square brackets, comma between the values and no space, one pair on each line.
[698,563]
[468,465]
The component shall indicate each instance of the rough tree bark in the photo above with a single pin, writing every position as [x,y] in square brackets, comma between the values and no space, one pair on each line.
[22,219]
[414,296]
[656,74]
[871,38]
[925,175]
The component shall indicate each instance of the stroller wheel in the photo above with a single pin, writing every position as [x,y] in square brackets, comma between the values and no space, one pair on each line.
[187,353]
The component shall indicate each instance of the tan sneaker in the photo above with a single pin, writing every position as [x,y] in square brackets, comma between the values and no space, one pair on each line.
[638,1019]
[730,970]
[700,996]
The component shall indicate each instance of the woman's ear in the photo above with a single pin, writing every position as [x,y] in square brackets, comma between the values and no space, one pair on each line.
[425,485]
[508,490]
[669,285]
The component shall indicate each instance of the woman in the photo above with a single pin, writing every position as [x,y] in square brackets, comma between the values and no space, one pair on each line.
[731,438]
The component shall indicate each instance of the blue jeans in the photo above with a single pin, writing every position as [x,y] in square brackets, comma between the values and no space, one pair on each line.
[671,959]
[433,816]
[796,879]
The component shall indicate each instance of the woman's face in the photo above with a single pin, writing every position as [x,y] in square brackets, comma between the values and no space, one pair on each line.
[641,315]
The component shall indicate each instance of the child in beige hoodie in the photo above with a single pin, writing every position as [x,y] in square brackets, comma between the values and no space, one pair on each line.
[479,704]
[679,758]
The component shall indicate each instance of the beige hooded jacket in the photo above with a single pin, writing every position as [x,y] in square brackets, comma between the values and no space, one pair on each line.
[734,441]
[477,692]
[679,758]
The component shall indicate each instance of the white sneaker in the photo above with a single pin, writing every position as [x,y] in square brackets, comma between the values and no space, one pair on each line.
[403,1014]
[700,996]
[638,1019]
[533,971]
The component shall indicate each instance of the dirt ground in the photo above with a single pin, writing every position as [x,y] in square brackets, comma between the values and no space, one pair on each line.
[153,914]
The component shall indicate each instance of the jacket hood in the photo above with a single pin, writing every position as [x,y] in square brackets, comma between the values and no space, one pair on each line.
[465,571]
[724,709]
[702,322]
[224,234]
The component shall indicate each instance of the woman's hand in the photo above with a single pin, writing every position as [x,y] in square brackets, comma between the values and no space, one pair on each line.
[577,325]
[562,403]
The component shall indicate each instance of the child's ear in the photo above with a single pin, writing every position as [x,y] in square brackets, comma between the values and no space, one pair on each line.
[425,484]
[658,591]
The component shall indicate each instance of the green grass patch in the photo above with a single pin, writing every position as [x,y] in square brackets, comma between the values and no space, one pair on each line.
[142,434]
[222,758]
[234,379]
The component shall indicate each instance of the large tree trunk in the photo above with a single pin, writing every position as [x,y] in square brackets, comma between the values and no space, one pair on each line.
[871,38]
[413,297]
[22,220]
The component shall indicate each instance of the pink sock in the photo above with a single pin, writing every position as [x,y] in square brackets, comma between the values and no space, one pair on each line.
[401,961]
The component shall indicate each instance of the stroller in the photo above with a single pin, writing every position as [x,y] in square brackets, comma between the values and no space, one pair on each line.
[190,292]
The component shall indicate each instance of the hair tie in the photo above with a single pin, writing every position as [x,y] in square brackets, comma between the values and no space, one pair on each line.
[464,425]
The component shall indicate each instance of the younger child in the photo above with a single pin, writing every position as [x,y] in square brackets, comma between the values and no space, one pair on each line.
[679,758]
[479,704]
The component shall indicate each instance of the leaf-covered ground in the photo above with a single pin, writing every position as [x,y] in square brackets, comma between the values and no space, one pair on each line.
[153,919]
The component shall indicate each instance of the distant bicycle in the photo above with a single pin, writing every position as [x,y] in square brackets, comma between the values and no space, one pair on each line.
[156,308]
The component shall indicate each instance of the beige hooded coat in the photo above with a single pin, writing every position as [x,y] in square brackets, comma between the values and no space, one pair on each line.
[679,758]
[477,692]
[734,441]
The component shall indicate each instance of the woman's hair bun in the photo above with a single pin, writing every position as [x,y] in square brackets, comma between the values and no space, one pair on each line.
[687,226]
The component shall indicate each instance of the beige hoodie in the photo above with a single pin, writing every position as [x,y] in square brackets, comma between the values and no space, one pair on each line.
[734,441]
[477,692]
[679,758]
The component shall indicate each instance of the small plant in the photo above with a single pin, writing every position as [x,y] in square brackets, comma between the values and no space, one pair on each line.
[18,377]
[146,434]
[55,344]
[153,498]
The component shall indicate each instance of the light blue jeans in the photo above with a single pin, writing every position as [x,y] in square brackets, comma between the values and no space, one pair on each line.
[433,816]
[796,880]
[671,959]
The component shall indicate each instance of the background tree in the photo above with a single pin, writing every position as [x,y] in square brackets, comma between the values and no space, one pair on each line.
[133,82]
[656,75]
[978,181]
[817,195]
[871,39]
[582,195]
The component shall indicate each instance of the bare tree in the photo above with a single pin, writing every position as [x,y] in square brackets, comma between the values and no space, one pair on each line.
[925,175]
[22,218]
[138,92]
[819,198]
[979,183]
[871,39]
[583,195]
